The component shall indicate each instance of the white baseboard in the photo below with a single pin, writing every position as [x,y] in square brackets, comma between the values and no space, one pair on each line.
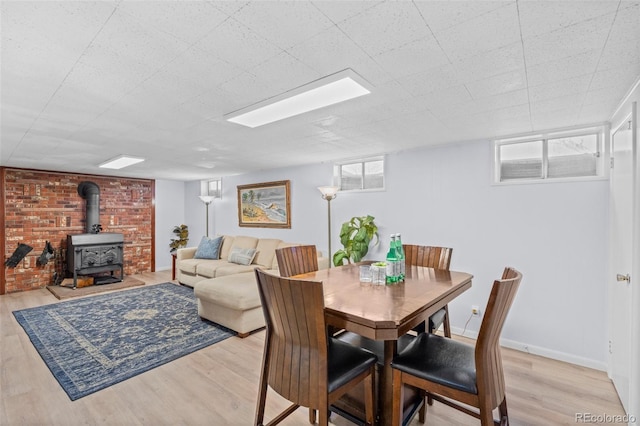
[537,350]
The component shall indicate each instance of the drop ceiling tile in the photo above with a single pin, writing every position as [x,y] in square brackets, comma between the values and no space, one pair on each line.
[282,73]
[441,15]
[431,80]
[483,33]
[516,112]
[543,120]
[186,21]
[339,11]
[617,55]
[568,41]
[284,23]
[502,100]
[134,44]
[617,79]
[593,113]
[490,63]
[237,44]
[412,58]
[332,51]
[626,24]
[208,71]
[569,102]
[59,25]
[555,89]
[42,42]
[563,68]
[607,97]
[211,104]
[31,88]
[449,102]
[108,83]
[247,89]
[172,87]
[540,17]
[385,26]
[495,85]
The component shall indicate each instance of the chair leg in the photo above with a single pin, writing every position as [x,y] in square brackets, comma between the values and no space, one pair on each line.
[504,415]
[369,398]
[398,398]
[323,416]
[486,414]
[312,416]
[262,398]
[447,325]
[264,382]
[422,414]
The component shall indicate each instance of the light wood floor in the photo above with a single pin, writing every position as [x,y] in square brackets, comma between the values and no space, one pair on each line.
[218,386]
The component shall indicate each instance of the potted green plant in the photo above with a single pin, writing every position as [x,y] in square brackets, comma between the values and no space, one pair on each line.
[182,234]
[355,236]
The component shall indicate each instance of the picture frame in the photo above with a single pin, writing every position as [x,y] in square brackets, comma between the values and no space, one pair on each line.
[264,205]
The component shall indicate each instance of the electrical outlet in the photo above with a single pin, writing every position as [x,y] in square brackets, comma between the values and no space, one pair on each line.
[475,310]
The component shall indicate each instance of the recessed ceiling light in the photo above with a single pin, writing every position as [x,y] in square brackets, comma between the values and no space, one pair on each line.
[330,90]
[120,162]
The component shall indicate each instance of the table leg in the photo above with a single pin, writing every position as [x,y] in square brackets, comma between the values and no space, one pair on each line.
[386,382]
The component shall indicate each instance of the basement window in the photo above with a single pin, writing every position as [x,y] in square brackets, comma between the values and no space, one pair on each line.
[360,175]
[573,155]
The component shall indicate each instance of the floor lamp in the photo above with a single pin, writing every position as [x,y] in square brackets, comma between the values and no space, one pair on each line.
[207,199]
[329,193]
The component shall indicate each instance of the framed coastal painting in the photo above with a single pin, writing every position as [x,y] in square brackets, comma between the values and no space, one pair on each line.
[264,205]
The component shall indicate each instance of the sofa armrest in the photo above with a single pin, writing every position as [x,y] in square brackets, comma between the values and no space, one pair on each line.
[186,253]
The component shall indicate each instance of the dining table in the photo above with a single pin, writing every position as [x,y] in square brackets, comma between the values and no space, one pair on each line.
[386,312]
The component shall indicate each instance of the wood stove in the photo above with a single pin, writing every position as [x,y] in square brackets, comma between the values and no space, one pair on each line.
[95,253]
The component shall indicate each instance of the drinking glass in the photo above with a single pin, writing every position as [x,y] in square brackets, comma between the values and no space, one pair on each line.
[365,273]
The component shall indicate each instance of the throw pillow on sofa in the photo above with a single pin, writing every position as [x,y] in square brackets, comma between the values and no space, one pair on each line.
[242,256]
[209,248]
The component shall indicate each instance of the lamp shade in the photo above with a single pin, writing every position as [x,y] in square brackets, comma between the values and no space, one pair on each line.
[207,199]
[328,192]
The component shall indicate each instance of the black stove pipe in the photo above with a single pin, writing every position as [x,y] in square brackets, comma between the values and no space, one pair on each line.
[91,192]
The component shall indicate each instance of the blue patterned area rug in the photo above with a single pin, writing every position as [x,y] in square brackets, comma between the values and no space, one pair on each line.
[92,343]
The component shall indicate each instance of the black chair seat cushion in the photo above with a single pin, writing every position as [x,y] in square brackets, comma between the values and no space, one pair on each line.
[437,319]
[439,360]
[375,346]
[346,362]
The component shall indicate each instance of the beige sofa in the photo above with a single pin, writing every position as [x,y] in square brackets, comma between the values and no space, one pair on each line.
[227,293]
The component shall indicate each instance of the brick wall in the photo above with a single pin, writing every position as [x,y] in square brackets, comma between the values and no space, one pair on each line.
[44,206]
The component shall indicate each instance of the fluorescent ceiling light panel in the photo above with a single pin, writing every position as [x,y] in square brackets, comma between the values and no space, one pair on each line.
[120,162]
[336,88]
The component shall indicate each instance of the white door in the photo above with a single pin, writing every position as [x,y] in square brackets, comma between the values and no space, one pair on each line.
[620,300]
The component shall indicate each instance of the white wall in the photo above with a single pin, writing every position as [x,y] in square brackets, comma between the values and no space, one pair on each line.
[170,211]
[553,233]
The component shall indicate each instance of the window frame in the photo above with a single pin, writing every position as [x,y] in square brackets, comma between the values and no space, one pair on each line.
[337,173]
[602,154]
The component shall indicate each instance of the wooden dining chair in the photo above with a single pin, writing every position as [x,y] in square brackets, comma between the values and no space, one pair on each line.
[431,257]
[297,260]
[454,372]
[300,361]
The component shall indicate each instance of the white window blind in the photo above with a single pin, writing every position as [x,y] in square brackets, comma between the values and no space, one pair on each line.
[549,157]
